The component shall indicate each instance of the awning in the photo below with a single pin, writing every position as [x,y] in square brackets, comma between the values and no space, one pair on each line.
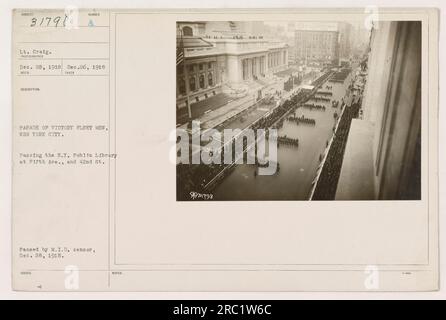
[193,42]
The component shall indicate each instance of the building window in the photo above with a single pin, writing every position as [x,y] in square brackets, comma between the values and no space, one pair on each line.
[210,80]
[187,31]
[182,86]
[192,86]
[201,80]
[191,68]
[210,65]
[201,66]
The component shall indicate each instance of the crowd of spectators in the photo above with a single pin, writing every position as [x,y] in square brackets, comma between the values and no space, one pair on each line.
[328,179]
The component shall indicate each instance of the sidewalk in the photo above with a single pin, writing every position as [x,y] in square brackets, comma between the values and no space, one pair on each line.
[224,113]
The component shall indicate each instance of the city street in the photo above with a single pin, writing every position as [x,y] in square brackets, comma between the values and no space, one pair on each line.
[297,165]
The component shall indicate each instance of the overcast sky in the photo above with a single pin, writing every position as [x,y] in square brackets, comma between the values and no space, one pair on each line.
[310,25]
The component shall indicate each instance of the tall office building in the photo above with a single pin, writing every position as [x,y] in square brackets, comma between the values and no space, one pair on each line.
[316,45]
[345,39]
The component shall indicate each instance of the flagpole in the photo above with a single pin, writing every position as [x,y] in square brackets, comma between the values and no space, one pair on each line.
[189,111]
[181,59]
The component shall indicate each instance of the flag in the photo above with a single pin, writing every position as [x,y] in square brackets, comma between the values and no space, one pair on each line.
[180,55]
[180,51]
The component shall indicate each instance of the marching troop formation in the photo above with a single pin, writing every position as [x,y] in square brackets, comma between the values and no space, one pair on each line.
[302,119]
[317,99]
[325,93]
[289,141]
[312,106]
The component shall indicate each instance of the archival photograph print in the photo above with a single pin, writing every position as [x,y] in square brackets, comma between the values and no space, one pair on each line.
[298,110]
